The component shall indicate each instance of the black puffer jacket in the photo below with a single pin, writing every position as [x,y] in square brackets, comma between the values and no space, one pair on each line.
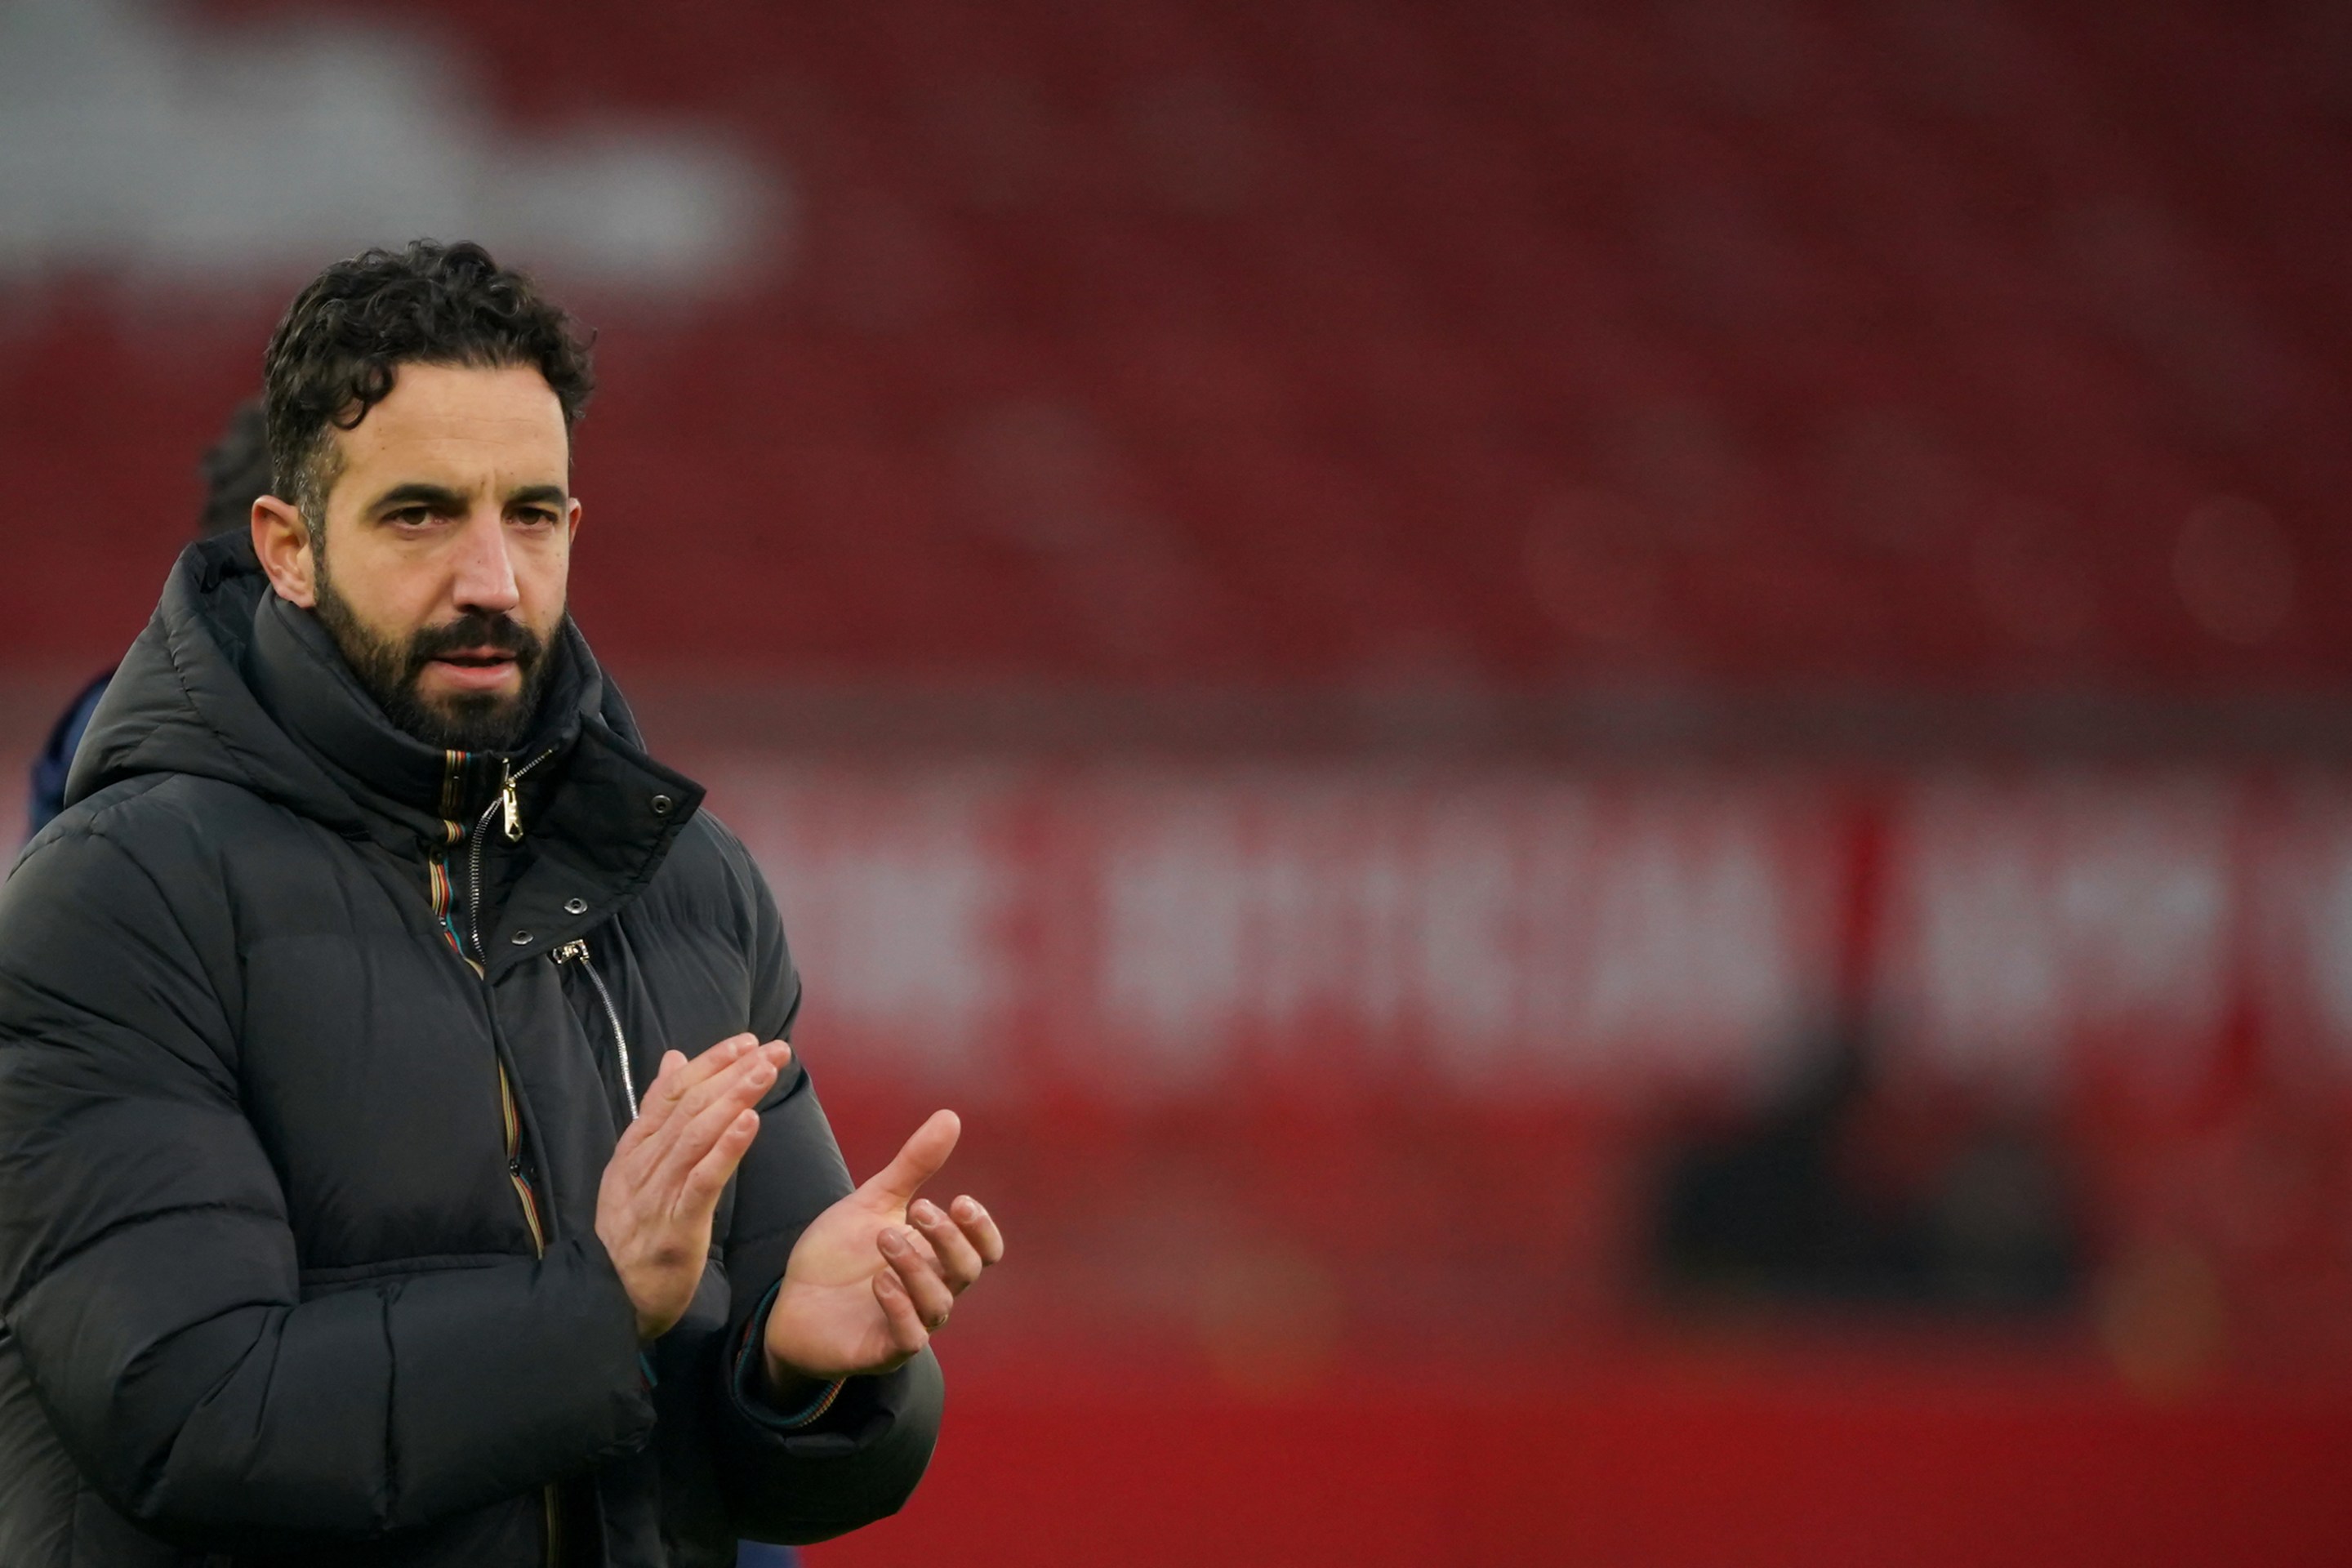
[301,1121]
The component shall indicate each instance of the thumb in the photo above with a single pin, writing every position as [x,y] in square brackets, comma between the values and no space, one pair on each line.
[918,1161]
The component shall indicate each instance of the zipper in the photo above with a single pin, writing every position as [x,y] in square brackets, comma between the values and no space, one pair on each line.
[578,949]
[508,805]
[512,1121]
[553,1508]
[442,894]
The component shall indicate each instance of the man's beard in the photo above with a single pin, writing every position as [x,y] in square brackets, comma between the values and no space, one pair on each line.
[389,670]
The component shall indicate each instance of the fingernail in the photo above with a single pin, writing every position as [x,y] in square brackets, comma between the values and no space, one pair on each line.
[893,1243]
[922,1212]
[966,1209]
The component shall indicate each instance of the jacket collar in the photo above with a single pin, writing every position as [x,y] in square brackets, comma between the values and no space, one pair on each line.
[230,682]
[303,680]
[600,816]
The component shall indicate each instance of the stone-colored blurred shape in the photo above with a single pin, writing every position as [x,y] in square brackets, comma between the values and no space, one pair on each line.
[138,144]
[1270,1318]
[2235,567]
[2161,1318]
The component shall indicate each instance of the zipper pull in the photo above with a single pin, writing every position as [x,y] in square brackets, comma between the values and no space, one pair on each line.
[509,804]
[570,950]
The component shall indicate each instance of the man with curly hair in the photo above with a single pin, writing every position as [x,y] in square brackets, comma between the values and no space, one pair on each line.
[401,1158]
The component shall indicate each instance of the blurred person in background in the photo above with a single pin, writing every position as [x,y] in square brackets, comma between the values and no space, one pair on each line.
[1801,1202]
[398,1139]
[237,474]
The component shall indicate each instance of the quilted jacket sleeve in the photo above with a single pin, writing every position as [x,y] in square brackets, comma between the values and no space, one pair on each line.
[862,1460]
[148,1272]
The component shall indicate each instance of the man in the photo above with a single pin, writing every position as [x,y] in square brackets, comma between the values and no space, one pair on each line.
[400,1159]
[236,473]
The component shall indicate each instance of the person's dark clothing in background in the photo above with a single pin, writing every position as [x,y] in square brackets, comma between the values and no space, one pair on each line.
[1781,1206]
[237,474]
[297,1210]
[56,759]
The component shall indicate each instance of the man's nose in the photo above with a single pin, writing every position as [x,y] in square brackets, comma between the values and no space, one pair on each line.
[486,579]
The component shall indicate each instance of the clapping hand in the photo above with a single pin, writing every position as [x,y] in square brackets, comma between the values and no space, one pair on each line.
[875,1276]
[660,1189]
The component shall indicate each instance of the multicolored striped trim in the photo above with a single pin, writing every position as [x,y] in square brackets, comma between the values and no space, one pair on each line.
[816,1408]
[512,1121]
[443,894]
[443,904]
[453,833]
[453,784]
[747,1386]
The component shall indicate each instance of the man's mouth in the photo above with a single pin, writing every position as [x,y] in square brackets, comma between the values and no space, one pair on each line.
[475,669]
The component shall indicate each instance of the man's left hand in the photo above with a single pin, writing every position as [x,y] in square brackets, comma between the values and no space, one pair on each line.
[874,1277]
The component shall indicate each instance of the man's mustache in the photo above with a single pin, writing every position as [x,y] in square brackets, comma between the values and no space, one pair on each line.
[474,633]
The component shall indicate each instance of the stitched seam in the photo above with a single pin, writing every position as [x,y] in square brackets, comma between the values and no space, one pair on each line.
[98,834]
[133,1222]
[384,1296]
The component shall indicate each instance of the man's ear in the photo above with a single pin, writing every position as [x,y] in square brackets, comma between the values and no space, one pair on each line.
[283,542]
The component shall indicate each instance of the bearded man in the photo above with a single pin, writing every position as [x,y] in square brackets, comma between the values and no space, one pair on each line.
[401,1161]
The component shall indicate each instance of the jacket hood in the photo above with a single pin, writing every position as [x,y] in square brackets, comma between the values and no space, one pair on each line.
[208,688]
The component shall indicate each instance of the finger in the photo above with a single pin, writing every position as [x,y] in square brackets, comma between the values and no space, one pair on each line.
[907,1334]
[747,1072]
[918,1161]
[698,1194]
[668,1120]
[959,1260]
[679,1075]
[979,1228]
[655,1104]
[710,1063]
[933,1299]
[704,1117]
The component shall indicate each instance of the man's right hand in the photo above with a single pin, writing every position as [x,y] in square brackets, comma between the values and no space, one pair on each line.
[654,1204]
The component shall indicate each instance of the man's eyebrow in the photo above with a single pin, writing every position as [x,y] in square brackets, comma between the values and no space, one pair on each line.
[417,492]
[530,494]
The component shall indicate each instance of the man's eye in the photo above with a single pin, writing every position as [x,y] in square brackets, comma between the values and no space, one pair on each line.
[412,517]
[536,517]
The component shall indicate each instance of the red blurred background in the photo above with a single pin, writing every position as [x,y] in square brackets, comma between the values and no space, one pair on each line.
[1605,743]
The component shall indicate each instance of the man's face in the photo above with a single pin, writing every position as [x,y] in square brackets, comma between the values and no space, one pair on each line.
[446,550]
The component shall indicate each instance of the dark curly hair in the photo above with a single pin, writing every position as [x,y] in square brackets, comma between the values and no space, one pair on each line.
[344,338]
[235,470]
